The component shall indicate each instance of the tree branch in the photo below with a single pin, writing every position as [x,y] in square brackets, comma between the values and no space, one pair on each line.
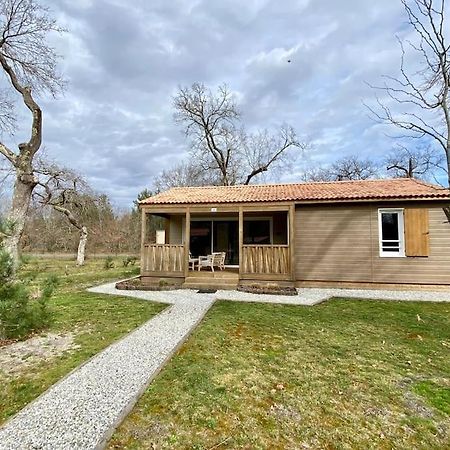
[8,154]
[32,146]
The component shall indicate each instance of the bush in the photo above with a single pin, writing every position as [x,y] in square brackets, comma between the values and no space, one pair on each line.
[109,263]
[6,267]
[129,260]
[20,312]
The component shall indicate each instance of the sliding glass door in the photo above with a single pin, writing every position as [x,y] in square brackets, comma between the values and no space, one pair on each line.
[200,242]
[208,236]
[226,239]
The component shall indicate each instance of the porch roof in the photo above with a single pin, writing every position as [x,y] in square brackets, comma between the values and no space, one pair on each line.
[361,190]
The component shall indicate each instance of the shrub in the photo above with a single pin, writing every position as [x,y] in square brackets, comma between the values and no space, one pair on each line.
[20,312]
[109,263]
[129,260]
[6,267]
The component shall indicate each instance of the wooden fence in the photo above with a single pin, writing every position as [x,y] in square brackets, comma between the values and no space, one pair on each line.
[163,259]
[265,260]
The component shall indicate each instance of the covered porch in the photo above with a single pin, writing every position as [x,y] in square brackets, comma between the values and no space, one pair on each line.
[256,241]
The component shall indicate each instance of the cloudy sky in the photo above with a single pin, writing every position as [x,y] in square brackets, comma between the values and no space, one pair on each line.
[125,59]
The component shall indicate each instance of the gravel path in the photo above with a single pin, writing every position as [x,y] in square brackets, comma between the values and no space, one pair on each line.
[313,296]
[82,410]
[305,297]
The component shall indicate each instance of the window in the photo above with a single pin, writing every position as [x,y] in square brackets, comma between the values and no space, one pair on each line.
[257,232]
[200,237]
[391,232]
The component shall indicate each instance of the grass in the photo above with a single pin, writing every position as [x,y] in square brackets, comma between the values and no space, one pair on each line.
[344,374]
[97,320]
[437,395]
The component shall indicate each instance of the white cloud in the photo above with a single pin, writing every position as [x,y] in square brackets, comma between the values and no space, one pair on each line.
[124,61]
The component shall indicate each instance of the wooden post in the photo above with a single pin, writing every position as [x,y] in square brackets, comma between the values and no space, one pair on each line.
[143,237]
[291,235]
[187,236]
[241,237]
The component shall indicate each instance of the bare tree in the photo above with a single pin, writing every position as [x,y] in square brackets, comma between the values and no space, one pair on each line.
[316,174]
[263,151]
[68,193]
[29,64]
[210,122]
[415,163]
[187,173]
[220,143]
[348,168]
[422,94]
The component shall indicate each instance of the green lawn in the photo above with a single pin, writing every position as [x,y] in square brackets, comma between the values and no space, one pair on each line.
[97,320]
[342,375]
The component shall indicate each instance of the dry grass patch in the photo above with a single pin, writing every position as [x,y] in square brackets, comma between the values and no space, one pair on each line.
[344,374]
[84,324]
[23,355]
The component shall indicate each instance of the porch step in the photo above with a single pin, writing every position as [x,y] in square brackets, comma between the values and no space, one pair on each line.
[210,283]
[219,279]
[217,287]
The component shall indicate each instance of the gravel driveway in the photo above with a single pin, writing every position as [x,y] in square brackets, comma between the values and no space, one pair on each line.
[82,410]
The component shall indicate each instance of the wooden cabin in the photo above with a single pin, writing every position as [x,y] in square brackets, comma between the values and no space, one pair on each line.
[346,233]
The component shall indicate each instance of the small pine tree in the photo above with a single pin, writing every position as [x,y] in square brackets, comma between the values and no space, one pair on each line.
[21,315]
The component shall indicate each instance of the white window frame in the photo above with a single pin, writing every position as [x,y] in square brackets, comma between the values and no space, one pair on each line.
[401,233]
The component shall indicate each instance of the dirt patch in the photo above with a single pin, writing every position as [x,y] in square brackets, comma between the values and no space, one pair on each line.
[19,356]
[284,412]
[415,404]
[412,401]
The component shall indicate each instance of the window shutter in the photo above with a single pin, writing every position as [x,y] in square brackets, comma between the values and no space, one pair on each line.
[417,232]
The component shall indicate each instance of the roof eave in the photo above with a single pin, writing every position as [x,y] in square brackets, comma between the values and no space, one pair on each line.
[307,201]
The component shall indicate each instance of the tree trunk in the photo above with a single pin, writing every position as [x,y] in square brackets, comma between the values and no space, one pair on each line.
[23,188]
[82,246]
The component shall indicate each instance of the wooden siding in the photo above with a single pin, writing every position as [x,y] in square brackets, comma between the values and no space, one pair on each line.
[340,243]
[176,229]
[333,243]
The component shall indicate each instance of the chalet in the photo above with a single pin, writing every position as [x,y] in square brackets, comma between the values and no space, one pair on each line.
[372,232]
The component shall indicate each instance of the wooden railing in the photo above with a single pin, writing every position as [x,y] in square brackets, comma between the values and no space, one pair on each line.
[163,259]
[265,260]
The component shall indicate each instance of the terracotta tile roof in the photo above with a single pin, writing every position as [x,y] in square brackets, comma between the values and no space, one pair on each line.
[388,189]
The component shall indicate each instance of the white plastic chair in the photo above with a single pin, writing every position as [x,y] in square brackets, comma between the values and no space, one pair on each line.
[192,261]
[216,259]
